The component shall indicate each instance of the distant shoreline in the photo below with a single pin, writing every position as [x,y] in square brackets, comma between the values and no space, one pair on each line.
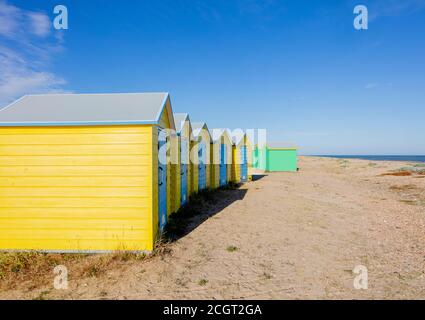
[375,158]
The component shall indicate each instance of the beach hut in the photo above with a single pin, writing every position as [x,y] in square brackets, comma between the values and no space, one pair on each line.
[275,157]
[175,176]
[242,158]
[84,172]
[221,157]
[280,157]
[229,155]
[193,163]
[184,132]
[203,138]
[214,165]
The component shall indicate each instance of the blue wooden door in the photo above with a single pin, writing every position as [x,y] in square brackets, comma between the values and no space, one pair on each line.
[162,181]
[244,164]
[202,181]
[223,167]
[183,171]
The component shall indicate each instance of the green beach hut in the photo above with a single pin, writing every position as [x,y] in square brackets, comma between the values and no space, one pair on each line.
[275,157]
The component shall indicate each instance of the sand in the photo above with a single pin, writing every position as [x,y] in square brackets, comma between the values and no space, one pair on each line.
[286,236]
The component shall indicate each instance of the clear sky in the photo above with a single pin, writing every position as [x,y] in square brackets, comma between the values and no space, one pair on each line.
[297,68]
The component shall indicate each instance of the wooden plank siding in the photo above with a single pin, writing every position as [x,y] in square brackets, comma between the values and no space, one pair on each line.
[236,168]
[77,188]
[164,123]
[229,155]
[215,165]
[205,138]
[154,179]
[194,167]
[249,154]
[175,173]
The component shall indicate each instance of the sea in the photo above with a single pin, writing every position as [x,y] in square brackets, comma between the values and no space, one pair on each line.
[380,158]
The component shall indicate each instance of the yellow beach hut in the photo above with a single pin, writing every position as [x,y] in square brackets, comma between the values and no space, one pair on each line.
[184,132]
[175,173]
[193,163]
[221,157]
[203,138]
[84,172]
[242,158]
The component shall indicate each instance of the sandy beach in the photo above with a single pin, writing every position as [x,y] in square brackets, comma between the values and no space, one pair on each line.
[283,236]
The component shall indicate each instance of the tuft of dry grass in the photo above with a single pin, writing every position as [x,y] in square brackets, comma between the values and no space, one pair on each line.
[397,173]
[407,171]
[405,187]
[343,163]
[162,247]
[203,282]
[268,276]
[232,248]
[410,202]
[35,269]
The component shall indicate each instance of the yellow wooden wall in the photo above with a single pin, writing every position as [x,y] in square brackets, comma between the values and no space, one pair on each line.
[78,188]
[189,169]
[178,178]
[214,165]
[215,175]
[215,160]
[164,121]
[236,169]
[194,167]
[175,173]
[249,151]
[229,155]
[186,134]
[229,172]
[236,161]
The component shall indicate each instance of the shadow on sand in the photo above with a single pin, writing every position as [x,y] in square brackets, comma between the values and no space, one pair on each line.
[256,177]
[201,207]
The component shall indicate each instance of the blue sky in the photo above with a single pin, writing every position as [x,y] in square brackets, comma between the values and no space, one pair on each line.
[296,68]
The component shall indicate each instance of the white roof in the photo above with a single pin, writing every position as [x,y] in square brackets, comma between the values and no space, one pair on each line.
[179,119]
[197,128]
[85,109]
[217,133]
[237,136]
